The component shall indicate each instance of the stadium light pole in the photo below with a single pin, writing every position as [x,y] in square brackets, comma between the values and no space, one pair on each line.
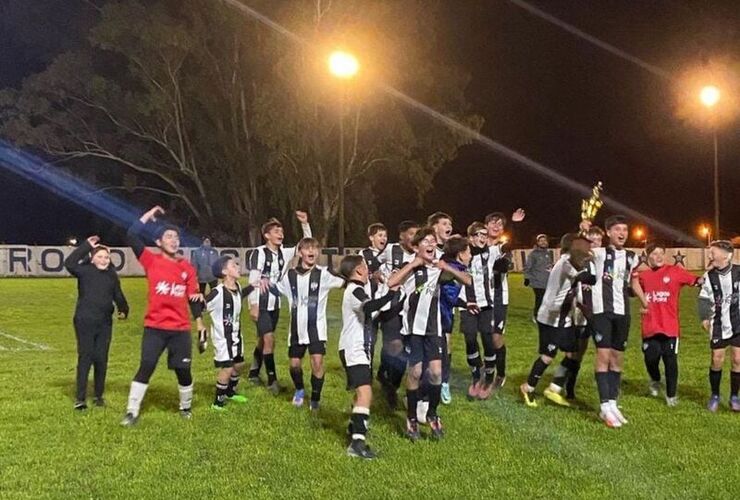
[344,66]
[709,97]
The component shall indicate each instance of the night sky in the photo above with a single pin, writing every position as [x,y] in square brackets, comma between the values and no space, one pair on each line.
[542,92]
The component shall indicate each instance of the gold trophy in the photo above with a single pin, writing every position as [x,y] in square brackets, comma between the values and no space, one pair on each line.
[591,206]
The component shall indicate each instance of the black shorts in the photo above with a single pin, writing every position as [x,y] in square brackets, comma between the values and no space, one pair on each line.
[499,318]
[472,324]
[357,375]
[610,331]
[583,332]
[733,341]
[553,338]
[267,321]
[178,344]
[299,350]
[391,327]
[659,343]
[424,348]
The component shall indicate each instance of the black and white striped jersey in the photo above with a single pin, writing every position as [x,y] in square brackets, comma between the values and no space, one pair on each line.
[480,292]
[613,270]
[722,289]
[394,257]
[373,258]
[421,309]
[307,293]
[358,331]
[561,293]
[225,307]
[499,279]
[265,263]
[584,297]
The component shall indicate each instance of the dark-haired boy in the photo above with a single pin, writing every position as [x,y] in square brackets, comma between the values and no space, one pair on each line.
[172,283]
[267,266]
[719,306]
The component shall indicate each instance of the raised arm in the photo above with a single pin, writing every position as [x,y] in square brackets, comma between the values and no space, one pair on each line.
[305,226]
[399,277]
[72,262]
[134,240]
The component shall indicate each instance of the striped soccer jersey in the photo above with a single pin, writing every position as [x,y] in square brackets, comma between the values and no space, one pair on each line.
[421,309]
[499,280]
[307,293]
[480,292]
[225,307]
[723,290]
[560,295]
[613,270]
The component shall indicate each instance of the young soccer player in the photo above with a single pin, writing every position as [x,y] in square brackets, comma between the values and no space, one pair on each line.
[307,288]
[98,288]
[420,279]
[499,261]
[393,355]
[477,318]
[719,305]
[554,317]
[224,305]
[614,266]
[172,282]
[355,347]
[267,266]
[658,287]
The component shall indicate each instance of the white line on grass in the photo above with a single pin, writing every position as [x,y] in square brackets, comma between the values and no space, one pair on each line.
[40,347]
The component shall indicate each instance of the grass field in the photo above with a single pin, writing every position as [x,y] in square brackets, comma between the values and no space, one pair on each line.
[266,448]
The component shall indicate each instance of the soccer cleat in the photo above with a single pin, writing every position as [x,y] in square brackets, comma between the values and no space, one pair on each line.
[498,382]
[436,425]
[713,404]
[474,390]
[186,414]
[556,397]
[255,380]
[735,403]
[485,390]
[274,388]
[202,341]
[527,396]
[314,405]
[99,402]
[218,408]
[610,419]
[237,398]
[654,388]
[617,413]
[446,396]
[412,430]
[671,401]
[298,398]
[359,449]
[129,420]
[422,407]
[80,406]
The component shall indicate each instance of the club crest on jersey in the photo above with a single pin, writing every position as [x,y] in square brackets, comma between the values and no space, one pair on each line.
[184,275]
[314,286]
[666,279]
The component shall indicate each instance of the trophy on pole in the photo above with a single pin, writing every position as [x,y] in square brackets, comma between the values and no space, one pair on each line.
[591,206]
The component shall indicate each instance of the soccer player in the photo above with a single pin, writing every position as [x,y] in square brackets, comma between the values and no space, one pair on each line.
[658,287]
[420,280]
[307,288]
[614,266]
[267,266]
[373,255]
[441,223]
[393,355]
[719,305]
[536,269]
[224,305]
[499,261]
[203,259]
[582,316]
[477,318]
[98,288]
[172,282]
[554,318]
[457,255]
[355,347]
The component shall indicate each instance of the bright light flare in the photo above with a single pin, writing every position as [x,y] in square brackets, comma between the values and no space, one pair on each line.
[704,230]
[343,64]
[709,96]
[638,234]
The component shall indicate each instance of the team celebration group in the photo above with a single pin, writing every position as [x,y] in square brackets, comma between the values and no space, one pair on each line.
[408,294]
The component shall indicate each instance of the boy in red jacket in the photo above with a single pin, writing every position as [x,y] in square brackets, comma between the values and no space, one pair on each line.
[172,283]
[658,288]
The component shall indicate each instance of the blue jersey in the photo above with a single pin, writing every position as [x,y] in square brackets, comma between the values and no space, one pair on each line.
[450,291]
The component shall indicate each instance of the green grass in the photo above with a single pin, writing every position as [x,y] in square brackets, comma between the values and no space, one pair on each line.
[266,448]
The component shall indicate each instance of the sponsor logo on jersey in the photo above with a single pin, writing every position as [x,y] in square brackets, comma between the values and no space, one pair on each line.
[171,289]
